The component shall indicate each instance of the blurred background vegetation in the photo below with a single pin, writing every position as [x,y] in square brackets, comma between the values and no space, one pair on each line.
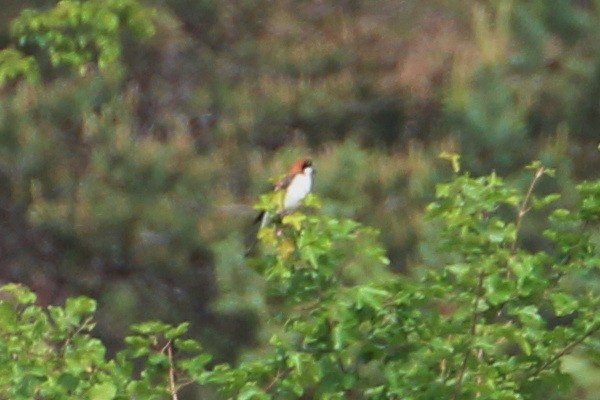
[128,168]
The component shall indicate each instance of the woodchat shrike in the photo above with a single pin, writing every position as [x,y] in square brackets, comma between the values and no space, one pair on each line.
[297,185]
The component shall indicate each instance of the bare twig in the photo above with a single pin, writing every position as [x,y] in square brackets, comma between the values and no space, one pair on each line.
[165,347]
[172,386]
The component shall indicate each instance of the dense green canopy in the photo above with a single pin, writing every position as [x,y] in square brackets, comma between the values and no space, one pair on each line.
[136,135]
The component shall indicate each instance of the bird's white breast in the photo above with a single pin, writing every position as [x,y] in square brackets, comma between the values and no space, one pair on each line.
[297,190]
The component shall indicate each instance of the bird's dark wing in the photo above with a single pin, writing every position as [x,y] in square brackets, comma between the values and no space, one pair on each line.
[259,217]
[284,183]
[281,185]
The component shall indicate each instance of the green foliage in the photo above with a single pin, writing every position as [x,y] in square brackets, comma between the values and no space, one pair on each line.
[50,353]
[14,64]
[122,190]
[113,203]
[492,320]
[73,34]
[486,322]
[532,80]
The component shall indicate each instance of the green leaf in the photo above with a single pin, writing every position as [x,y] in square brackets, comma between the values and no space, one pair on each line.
[295,220]
[138,346]
[102,391]
[141,390]
[543,202]
[520,339]
[189,345]
[295,361]
[20,293]
[309,254]
[370,296]
[251,392]
[534,165]
[313,201]
[561,214]
[158,360]
[453,158]
[80,306]
[150,327]
[177,331]
[195,366]
[68,381]
[563,303]
[529,316]
[14,64]
[498,289]
[8,317]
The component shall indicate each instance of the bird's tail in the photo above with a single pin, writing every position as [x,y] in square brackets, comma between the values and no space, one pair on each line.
[259,217]
[264,218]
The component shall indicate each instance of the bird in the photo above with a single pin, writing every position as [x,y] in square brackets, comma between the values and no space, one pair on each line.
[297,185]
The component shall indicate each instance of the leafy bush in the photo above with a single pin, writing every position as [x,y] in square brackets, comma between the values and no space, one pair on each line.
[72,34]
[488,318]
[492,321]
[49,353]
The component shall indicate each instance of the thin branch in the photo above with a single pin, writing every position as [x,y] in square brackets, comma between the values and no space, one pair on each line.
[443,366]
[185,383]
[479,380]
[172,386]
[81,328]
[524,208]
[463,368]
[165,347]
[564,351]
[277,378]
